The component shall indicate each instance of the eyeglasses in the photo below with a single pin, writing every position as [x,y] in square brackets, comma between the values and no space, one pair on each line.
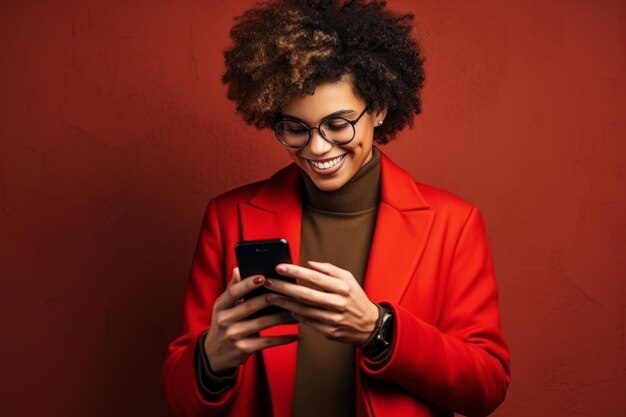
[336,130]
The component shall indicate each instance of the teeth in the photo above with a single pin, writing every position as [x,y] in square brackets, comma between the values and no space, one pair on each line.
[327,164]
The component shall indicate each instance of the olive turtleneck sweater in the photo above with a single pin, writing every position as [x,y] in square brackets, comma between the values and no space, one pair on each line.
[337,227]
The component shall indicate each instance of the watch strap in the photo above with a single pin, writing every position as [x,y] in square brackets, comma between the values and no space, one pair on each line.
[378,343]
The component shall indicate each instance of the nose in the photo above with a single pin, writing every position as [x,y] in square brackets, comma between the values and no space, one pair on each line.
[318,145]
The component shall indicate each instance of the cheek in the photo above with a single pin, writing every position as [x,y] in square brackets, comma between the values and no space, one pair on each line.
[293,154]
[364,142]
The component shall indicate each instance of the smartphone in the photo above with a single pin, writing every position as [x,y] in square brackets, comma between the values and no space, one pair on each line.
[260,257]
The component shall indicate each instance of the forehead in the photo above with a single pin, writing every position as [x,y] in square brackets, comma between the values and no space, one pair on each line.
[326,99]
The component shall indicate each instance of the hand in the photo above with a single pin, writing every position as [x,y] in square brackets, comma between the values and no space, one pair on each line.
[330,301]
[232,338]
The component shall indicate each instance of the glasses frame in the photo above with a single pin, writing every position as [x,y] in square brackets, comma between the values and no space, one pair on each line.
[321,132]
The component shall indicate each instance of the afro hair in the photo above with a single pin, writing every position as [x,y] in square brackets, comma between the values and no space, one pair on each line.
[282,49]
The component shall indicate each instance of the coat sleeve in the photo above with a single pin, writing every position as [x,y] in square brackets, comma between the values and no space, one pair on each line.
[206,282]
[462,362]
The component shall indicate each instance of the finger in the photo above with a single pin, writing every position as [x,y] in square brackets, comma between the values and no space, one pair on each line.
[237,290]
[241,311]
[326,330]
[318,314]
[313,278]
[254,344]
[243,329]
[307,295]
[235,277]
[329,269]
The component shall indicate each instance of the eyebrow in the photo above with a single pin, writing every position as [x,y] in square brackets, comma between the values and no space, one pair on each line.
[338,113]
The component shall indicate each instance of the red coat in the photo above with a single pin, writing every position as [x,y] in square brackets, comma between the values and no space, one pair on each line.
[429,260]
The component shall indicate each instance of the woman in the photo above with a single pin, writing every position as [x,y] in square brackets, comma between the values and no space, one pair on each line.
[395,305]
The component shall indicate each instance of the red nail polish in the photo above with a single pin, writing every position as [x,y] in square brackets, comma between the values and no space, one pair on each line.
[258,280]
[268,283]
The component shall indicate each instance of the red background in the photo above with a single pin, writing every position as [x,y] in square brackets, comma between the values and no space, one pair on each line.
[114,133]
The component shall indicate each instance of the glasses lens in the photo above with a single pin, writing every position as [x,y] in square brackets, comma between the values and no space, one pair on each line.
[291,133]
[337,130]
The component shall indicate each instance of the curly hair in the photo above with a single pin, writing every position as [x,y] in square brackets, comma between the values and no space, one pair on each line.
[284,49]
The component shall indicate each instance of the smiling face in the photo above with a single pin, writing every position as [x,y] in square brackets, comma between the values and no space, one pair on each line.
[331,166]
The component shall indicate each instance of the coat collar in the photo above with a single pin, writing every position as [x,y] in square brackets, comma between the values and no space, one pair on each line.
[398,190]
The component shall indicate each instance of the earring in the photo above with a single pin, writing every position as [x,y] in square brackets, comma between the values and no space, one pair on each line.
[380,122]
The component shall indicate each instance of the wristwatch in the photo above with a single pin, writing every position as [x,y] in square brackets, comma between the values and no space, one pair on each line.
[377,345]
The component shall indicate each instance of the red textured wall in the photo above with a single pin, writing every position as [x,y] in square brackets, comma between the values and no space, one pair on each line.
[114,133]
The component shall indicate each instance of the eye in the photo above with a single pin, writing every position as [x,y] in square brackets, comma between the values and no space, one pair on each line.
[292,128]
[336,124]
[295,131]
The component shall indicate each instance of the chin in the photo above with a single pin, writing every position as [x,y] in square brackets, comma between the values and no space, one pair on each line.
[327,184]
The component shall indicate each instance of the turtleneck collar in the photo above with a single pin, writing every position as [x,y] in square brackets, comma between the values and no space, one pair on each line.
[361,193]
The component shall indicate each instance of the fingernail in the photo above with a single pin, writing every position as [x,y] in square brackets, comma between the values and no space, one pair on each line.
[270,298]
[268,282]
[281,269]
[258,279]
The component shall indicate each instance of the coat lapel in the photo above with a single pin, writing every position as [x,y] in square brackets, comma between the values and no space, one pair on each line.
[276,212]
[403,224]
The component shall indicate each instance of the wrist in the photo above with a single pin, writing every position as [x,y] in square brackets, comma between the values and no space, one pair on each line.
[368,326]
[211,384]
[373,320]
[210,354]
[379,341]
